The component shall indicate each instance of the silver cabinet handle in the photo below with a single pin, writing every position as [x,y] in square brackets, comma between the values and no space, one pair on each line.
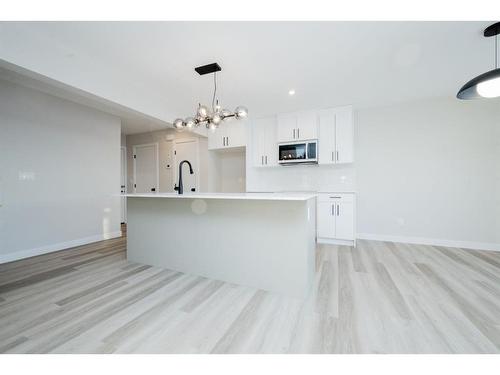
[266,159]
[333,211]
[223,141]
[262,160]
[338,209]
[293,133]
[332,156]
[336,197]
[227,141]
[298,133]
[337,156]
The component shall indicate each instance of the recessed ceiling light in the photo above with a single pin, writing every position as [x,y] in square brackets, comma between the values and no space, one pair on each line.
[291,92]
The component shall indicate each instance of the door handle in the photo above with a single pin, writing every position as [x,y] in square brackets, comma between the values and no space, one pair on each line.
[227,141]
[223,141]
[266,159]
[333,211]
[332,156]
[262,160]
[293,133]
[337,156]
[338,210]
[298,133]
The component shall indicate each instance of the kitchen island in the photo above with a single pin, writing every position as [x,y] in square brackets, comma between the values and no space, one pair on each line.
[261,240]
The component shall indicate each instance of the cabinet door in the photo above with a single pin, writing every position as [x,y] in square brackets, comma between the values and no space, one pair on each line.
[235,133]
[307,125]
[271,146]
[258,130]
[287,127]
[326,139]
[216,137]
[344,223]
[344,135]
[326,219]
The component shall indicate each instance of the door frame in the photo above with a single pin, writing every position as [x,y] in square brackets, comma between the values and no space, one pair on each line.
[197,157]
[157,153]
[123,150]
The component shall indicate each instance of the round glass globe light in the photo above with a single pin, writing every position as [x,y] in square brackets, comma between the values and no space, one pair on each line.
[240,112]
[202,111]
[190,122]
[178,123]
[216,119]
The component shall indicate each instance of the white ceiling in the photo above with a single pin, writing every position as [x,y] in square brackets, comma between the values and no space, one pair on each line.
[327,63]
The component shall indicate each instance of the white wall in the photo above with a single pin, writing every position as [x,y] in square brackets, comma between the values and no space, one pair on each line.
[429,171]
[227,171]
[59,173]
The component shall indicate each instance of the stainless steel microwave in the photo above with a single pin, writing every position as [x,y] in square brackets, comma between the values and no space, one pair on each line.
[298,152]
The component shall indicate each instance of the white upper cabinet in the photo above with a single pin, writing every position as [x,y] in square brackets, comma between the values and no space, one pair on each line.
[344,135]
[236,134]
[307,125]
[287,127]
[336,136]
[216,138]
[228,135]
[297,126]
[326,151]
[264,145]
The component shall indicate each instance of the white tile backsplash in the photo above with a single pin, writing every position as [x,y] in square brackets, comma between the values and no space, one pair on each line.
[302,178]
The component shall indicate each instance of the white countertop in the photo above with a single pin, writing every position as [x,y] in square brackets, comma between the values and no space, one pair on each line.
[238,196]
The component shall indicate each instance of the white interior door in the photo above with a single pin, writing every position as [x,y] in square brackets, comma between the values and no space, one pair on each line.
[187,150]
[146,172]
[123,182]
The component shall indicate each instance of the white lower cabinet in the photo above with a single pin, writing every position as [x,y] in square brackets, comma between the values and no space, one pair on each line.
[336,219]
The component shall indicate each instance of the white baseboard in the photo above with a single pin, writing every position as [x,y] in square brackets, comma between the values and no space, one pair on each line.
[431,241]
[57,246]
[332,241]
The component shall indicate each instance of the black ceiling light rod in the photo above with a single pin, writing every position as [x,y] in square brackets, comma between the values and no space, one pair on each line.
[486,85]
[207,69]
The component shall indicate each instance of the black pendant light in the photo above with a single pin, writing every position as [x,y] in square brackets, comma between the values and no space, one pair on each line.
[486,85]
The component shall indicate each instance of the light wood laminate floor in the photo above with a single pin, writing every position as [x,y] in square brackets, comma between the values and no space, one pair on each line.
[380,297]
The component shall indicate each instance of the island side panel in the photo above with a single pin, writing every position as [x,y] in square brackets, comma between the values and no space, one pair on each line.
[269,245]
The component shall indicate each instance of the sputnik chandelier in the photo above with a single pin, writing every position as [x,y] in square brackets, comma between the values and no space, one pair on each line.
[204,116]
